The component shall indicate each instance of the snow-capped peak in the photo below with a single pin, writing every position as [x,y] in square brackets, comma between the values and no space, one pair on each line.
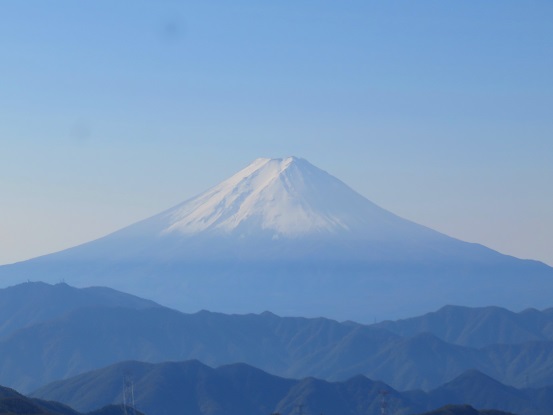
[288,197]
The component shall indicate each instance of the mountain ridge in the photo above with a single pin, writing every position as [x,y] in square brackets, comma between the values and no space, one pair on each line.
[240,388]
[33,302]
[286,236]
[92,337]
[14,403]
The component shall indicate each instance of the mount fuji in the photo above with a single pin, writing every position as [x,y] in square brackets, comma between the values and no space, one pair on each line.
[284,235]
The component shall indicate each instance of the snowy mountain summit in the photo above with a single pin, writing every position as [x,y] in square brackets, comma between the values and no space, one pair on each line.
[285,197]
[285,236]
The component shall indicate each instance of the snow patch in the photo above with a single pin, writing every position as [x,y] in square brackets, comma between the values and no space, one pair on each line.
[289,197]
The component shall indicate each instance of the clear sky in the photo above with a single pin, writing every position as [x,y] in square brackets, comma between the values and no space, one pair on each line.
[440,111]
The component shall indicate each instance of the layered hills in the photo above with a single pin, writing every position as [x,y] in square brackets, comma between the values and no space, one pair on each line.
[13,403]
[478,326]
[464,410]
[89,338]
[194,388]
[34,302]
[284,235]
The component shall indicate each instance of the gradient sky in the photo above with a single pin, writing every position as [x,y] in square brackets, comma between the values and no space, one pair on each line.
[111,111]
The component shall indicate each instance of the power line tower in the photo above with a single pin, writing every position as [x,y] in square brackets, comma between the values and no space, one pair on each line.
[383,394]
[128,396]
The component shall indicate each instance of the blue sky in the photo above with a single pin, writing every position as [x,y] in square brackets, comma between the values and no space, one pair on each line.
[438,111]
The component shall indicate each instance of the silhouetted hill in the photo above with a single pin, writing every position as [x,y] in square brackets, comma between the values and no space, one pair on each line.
[115,410]
[35,302]
[13,403]
[196,389]
[482,391]
[193,388]
[464,410]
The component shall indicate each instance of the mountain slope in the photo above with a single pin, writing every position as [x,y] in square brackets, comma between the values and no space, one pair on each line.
[13,403]
[478,327]
[34,302]
[481,391]
[464,410]
[286,236]
[90,338]
[193,388]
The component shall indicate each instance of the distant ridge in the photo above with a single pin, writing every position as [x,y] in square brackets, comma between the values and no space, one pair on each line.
[286,236]
[478,327]
[91,337]
[35,302]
